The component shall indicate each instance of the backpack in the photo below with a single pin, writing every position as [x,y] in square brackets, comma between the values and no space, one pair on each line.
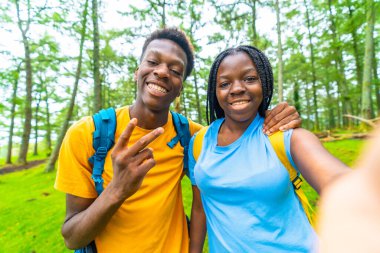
[104,139]
[277,141]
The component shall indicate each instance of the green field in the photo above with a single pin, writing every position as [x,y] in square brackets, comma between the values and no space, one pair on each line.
[31,211]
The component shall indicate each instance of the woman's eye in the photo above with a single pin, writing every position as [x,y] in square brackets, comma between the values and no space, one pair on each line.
[251,79]
[224,85]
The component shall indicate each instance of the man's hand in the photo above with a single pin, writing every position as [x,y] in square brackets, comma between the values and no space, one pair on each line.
[131,164]
[282,117]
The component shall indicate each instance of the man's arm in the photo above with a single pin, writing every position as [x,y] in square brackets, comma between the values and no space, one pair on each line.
[86,218]
[282,117]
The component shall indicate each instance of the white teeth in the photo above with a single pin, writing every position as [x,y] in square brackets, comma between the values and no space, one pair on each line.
[157,88]
[239,103]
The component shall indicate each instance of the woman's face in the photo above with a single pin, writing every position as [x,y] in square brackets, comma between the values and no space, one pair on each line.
[238,88]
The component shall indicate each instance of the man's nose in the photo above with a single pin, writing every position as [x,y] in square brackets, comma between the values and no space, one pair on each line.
[161,71]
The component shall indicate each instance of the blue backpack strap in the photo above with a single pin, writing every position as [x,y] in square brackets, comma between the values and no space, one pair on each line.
[103,141]
[181,125]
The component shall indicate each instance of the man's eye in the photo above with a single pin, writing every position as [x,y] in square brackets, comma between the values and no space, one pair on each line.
[151,62]
[176,72]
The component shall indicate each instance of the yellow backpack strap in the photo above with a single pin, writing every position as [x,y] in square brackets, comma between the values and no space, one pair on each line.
[198,141]
[277,141]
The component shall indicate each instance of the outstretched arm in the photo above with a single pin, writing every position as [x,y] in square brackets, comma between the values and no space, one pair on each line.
[315,163]
[282,117]
[86,218]
[349,219]
[197,223]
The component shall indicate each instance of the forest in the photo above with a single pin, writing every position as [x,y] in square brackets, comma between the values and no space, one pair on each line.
[62,60]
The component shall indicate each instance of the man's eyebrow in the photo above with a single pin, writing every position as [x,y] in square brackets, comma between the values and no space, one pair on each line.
[178,60]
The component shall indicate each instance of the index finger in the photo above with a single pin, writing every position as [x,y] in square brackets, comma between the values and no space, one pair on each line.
[124,137]
[271,115]
[145,140]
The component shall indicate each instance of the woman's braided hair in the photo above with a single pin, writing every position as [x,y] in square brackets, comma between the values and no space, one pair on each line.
[213,109]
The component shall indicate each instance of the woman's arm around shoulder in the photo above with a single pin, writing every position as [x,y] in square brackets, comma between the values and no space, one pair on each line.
[315,163]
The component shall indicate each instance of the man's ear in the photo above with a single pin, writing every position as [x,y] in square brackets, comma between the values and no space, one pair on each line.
[180,91]
[135,74]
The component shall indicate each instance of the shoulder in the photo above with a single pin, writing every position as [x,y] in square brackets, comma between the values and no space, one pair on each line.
[83,126]
[300,134]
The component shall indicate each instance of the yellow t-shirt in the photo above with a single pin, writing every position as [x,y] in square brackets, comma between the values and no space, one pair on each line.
[151,220]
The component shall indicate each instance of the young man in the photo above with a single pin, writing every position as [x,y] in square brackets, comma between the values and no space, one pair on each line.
[140,209]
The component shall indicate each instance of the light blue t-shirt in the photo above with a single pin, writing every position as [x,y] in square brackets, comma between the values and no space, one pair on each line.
[247,196]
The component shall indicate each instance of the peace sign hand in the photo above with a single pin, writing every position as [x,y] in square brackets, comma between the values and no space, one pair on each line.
[131,164]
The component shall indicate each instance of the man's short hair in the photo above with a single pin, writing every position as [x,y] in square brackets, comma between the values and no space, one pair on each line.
[178,37]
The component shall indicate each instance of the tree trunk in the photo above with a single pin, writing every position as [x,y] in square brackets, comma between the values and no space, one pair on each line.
[197,100]
[296,96]
[54,156]
[163,16]
[254,31]
[314,79]
[96,59]
[279,55]
[27,126]
[48,124]
[359,69]
[13,115]
[183,96]
[377,83]
[342,82]
[35,151]
[366,90]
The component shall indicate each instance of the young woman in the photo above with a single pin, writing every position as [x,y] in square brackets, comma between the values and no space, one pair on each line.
[240,188]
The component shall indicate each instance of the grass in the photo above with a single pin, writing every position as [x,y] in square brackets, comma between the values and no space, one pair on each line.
[30,157]
[31,211]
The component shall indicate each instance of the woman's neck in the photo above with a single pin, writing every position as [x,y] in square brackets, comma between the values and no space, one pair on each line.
[231,130]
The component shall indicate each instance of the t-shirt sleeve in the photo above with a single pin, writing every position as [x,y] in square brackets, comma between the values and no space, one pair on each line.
[287,140]
[194,127]
[192,161]
[74,170]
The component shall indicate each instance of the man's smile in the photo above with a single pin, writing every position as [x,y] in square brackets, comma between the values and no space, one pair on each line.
[157,88]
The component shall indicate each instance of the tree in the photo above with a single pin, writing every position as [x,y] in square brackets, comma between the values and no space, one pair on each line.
[96,58]
[279,55]
[313,68]
[366,90]
[14,76]
[54,155]
[24,29]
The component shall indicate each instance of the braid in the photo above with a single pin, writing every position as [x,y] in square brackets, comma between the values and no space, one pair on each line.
[264,69]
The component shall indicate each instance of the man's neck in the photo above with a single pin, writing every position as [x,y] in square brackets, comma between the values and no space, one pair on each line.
[148,119]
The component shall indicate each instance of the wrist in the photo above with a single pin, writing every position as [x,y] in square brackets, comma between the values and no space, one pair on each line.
[116,195]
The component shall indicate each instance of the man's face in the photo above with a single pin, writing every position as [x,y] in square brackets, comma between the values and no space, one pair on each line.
[160,74]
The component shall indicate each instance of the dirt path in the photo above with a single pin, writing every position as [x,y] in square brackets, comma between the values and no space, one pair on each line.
[13,168]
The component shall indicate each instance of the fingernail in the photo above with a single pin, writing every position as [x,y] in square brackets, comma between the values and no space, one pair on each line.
[267,132]
[159,130]
[282,129]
